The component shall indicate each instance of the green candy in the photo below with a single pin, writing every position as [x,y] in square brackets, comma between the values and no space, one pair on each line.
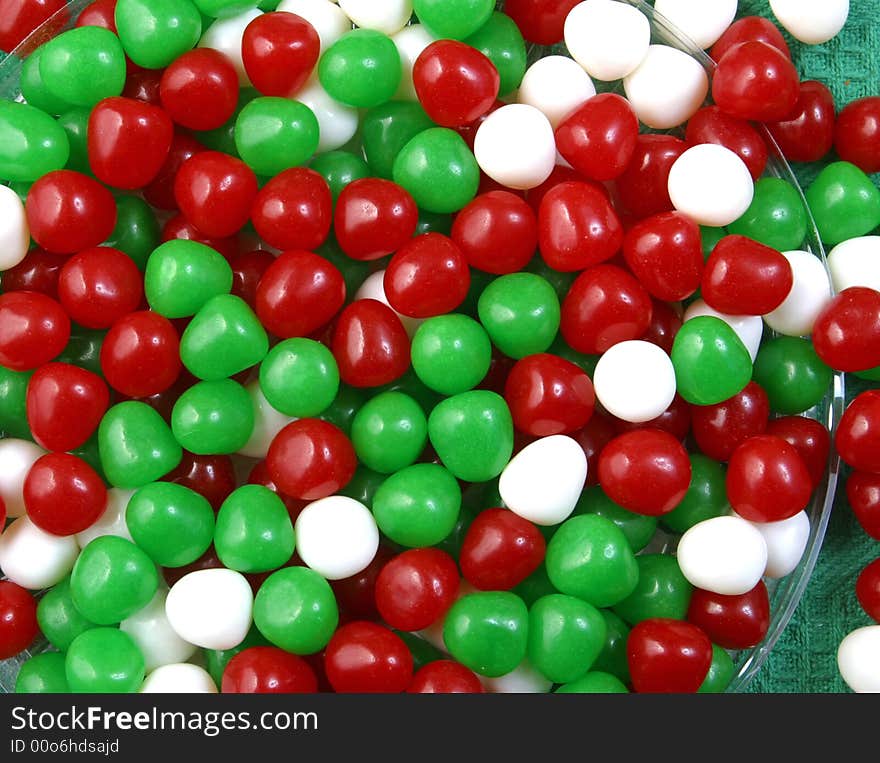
[136,446]
[439,170]
[453,19]
[638,528]
[565,637]
[104,661]
[111,580]
[662,591]
[34,89]
[386,129]
[418,506]
[363,486]
[776,216]
[411,385]
[589,557]
[83,349]
[43,674]
[521,313]
[389,432]
[711,362]
[172,524]
[710,238]
[75,123]
[434,222]
[59,619]
[223,339]
[254,532]
[295,609]
[792,375]
[473,434]
[83,66]
[500,40]
[181,276]
[345,405]
[612,659]
[561,282]
[221,9]
[361,69]
[720,673]
[451,353]
[339,168]
[156,32]
[136,232]
[213,417]
[31,143]
[872,374]
[276,134]
[13,403]
[535,586]
[223,138]
[844,202]
[487,632]
[299,377]
[594,682]
[706,496]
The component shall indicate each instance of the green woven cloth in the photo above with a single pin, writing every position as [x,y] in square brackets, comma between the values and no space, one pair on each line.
[805,658]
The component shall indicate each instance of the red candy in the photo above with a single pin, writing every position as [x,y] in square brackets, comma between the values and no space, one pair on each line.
[370,344]
[445,677]
[364,657]
[807,133]
[356,595]
[863,494]
[846,334]
[500,550]
[756,81]
[279,52]
[160,192]
[809,438]
[247,270]
[298,294]
[643,187]
[456,84]
[548,395]
[857,134]
[212,477]
[750,29]
[427,276]
[63,494]
[200,89]
[858,434]
[668,656]
[540,21]
[374,217]
[18,619]
[34,329]
[21,17]
[64,405]
[415,588]
[868,590]
[38,271]
[711,125]
[99,286]
[268,670]
[767,480]
[721,428]
[311,459]
[731,622]
[68,212]
[294,210]
[646,471]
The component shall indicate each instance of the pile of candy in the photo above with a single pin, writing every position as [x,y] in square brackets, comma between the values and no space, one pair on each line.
[346,350]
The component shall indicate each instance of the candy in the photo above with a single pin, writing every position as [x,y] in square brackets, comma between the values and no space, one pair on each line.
[150,629]
[555,85]
[857,659]
[501,41]
[702,22]
[635,381]
[22,542]
[210,608]
[410,42]
[16,459]
[855,262]
[225,36]
[608,39]
[336,536]
[810,293]
[668,656]
[327,18]
[844,203]
[811,22]
[268,670]
[455,19]
[104,660]
[179,678]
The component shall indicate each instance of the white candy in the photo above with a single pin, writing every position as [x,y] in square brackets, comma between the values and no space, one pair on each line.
[635,381]
[811,21]
[337,123]
[726,555]
[786,541]
[179,678]
[856,263]
[556,86]
[523,679]
[704,21]
[268,422]
[749,328]
[388,16]
[711,184]
[336,536]
[15,236]
[112,521]
[158,641]
[211,608]
[226,34]
[373,287]
[33,558]
[542,483]
[607,38]
[810,292]
[410,42]
[16,459]
[515,146]
[329,21]
[858,659]
[667,87]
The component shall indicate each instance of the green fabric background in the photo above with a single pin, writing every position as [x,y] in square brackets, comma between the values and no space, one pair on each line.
[804,660]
